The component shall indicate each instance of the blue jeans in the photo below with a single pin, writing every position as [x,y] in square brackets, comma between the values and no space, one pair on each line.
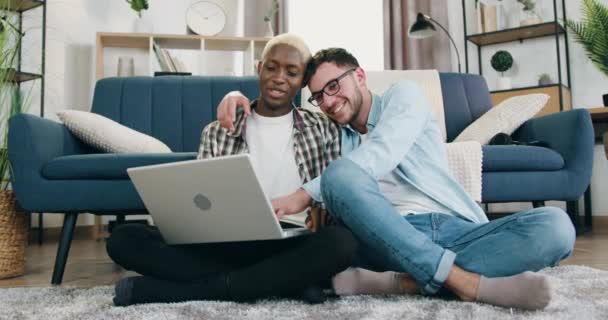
[426,246]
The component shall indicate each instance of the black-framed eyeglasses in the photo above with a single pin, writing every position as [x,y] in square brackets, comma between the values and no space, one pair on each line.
[331,88]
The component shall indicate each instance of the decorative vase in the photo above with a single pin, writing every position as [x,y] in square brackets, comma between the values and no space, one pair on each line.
[13,237]
[503,83]
[530,17]
[126,67]
[269,32]
[142,24]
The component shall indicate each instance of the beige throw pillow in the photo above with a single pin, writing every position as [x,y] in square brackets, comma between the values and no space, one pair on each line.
[505,117]
[108,135]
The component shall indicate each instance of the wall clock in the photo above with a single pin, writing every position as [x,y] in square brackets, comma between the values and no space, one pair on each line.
[205,18]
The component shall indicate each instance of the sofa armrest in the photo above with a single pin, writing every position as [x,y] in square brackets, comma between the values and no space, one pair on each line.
[33,141]
[36,140]
[570,133]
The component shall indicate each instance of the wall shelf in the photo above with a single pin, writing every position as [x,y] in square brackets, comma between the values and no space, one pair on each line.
[530,87]
[199,45]
[15,76]
[554,91]
[24,5]
[517,34]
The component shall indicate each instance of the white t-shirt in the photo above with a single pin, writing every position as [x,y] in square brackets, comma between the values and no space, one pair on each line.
[271,147]
[405,197]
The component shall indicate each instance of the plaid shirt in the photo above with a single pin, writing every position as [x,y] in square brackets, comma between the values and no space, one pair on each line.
[316,141]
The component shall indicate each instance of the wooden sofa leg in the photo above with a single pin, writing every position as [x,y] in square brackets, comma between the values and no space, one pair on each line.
[67,232]
[538,204]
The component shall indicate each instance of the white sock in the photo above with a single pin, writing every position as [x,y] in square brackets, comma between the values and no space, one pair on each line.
[528,290]
[362,281]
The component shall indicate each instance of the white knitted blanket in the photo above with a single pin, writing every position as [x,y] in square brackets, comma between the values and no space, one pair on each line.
[465,163]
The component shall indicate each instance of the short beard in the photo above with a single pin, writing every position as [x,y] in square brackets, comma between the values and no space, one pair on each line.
[356,104]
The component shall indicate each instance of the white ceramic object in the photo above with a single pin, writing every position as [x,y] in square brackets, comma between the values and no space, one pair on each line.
[503,83]
[143,25]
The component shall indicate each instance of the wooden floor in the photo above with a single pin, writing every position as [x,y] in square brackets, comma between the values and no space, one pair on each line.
[89,265]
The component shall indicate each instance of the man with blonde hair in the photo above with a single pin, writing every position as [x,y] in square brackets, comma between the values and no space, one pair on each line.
[289,149]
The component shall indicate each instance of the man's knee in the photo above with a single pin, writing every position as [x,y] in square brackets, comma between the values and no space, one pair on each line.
[341,243]
[557,233]
[564,234]
[123,237]
[341,175]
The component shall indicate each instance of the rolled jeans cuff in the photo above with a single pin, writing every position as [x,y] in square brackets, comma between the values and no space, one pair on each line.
[441,275]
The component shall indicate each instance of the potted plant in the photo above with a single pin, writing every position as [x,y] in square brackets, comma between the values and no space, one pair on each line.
[544,79]
[502,61]
[138,6]
[13,239]
[272,10]
[592,33]
[529,16]
[140,25]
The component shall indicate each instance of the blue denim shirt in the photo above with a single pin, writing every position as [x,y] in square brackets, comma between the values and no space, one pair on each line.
[404,136]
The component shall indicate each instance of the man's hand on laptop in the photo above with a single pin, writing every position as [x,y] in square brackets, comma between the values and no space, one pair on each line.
[226,110]
[292,203]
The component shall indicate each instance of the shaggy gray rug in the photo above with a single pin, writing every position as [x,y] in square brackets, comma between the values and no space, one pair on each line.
[579,293]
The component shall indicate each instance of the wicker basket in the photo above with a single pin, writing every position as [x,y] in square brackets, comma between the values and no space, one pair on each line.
[13,237]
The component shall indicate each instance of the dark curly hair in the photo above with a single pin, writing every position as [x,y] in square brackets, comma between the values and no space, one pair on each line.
[338,56]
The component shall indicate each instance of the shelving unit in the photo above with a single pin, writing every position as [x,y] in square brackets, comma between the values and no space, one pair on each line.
[203,46]
[560,95]
[16,75]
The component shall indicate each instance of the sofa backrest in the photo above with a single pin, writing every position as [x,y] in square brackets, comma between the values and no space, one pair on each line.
[173,109]
[465,98]
[176,109]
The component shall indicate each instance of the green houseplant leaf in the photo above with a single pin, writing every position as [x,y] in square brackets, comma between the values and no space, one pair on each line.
[138,5]
[12,99]
[592,33]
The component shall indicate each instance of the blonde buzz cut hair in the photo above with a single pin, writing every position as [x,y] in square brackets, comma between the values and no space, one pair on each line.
[291,40]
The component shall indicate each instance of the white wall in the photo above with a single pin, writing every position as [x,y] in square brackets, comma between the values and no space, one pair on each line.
[354,25]
[537,56]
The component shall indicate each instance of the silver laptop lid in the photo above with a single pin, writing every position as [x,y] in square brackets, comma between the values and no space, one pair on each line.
[211,200]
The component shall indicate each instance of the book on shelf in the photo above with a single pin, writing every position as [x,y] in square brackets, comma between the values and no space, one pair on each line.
[165,61]
[179,65]
[168,59]
[161,61]
[489,15]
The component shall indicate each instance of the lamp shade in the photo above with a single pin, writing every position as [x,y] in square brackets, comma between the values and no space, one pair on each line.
[422,28]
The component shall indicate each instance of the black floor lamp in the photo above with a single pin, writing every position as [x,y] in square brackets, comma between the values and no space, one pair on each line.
[423,28]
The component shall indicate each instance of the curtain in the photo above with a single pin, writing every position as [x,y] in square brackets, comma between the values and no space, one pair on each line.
[402,52]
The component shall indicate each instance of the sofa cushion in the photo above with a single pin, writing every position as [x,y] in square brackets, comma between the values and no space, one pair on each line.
[505,117]
[105,166]
[108,135]
[520,158]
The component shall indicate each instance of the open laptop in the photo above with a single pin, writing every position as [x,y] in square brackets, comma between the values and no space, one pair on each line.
[211,200]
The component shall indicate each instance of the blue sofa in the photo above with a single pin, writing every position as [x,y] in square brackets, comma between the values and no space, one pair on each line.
[55,172]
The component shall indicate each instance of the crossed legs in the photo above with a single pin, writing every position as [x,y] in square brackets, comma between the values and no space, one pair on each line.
[443,251]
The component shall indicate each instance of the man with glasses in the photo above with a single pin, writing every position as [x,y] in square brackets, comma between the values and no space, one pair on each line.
[392,188]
